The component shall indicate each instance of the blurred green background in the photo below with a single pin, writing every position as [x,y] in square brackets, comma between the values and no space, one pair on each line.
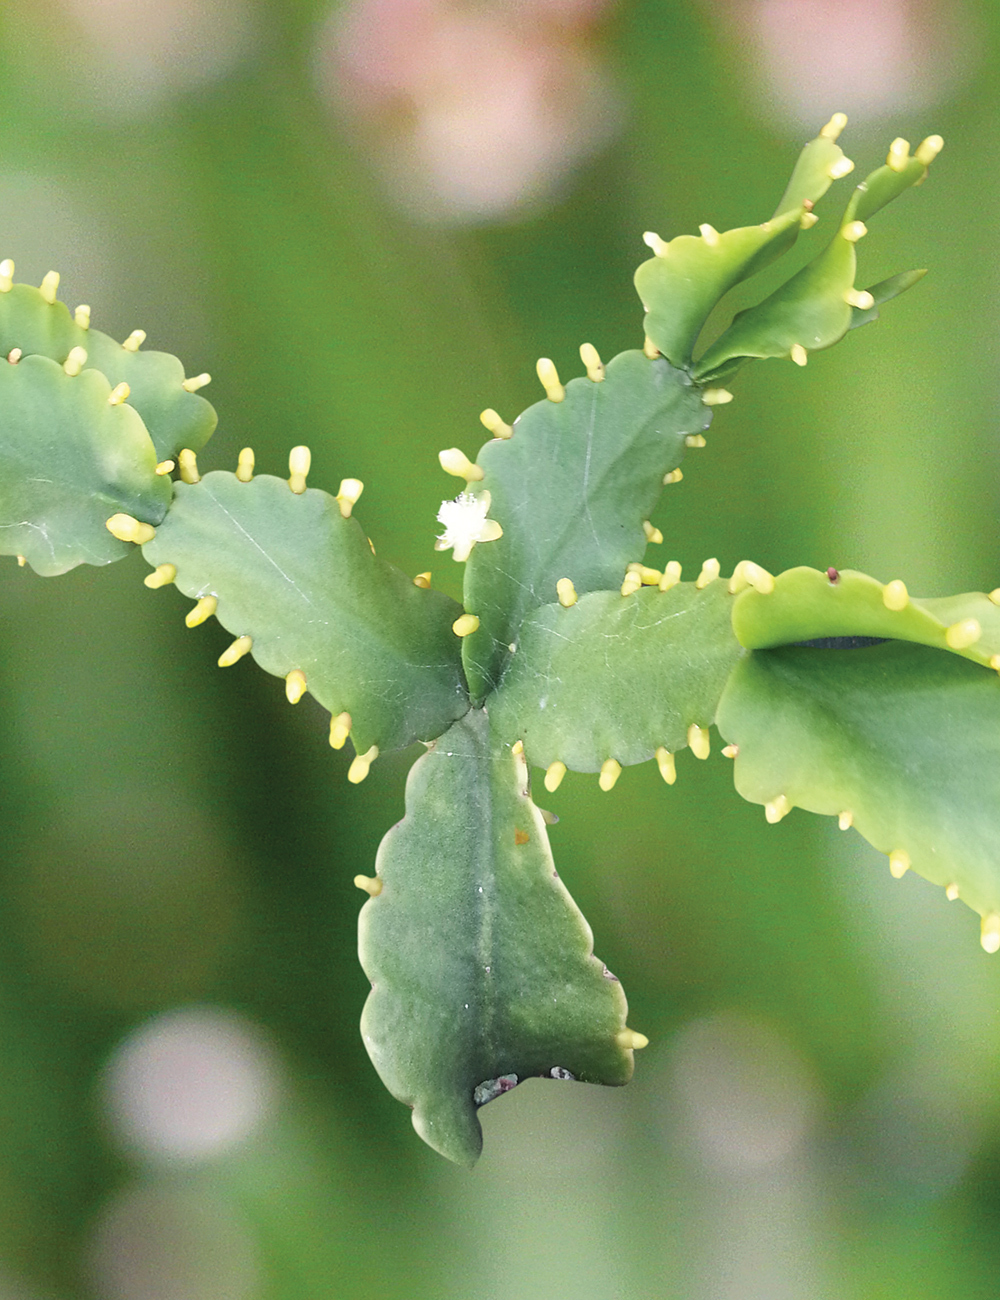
[368,223]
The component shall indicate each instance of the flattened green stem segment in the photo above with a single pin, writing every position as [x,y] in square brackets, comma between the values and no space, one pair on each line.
[814,309]
[884,292]
[900,740]
[819,163]
[68,461]
[480,962]
[687,277]
[571,489]
[289,571]
[805,605]
[617,677]
[683,282]
[174,417]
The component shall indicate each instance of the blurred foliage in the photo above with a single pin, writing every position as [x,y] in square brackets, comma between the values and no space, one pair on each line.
[174,835]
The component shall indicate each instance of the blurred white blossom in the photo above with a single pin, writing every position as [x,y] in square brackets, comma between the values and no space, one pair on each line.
[130,55]
[190,1084]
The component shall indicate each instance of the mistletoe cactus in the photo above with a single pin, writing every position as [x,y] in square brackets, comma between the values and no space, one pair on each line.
[832,691]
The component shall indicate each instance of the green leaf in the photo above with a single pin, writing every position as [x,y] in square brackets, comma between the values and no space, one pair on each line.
[819,163]
[806,604]
[901,740]
[809,311]
[290,572]
[482,967]
[687,277]
[814,309]
[681,285]
[68,461]
[617,676]
[883,292]
[174,417]
[883,185]
[570,489]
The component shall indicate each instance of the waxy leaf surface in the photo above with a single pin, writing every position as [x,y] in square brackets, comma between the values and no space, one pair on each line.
[480,962]
[680,285]
[812,310]
[291,573]
[68,462]
[805,605]
[174,417]
[617,676]
[570,490]
[904,738]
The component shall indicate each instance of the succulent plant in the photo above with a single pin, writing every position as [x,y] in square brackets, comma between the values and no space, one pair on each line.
[832,691]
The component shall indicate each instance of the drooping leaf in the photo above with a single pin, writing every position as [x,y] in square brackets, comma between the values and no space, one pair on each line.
[301,581]
[900,740]
[482,967]
[69,460]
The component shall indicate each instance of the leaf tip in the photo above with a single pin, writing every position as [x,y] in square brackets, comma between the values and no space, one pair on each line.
[631,1040]
[128,529]
[340,729]
[776,809]
[699,741]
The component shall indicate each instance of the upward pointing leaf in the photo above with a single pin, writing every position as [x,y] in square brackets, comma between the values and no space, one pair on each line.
[815,308]
[683,282]
[570,489]
[482,968]
[819,163]
[687,277]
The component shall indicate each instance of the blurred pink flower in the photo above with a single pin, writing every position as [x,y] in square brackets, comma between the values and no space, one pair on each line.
[870,58]
[470,113]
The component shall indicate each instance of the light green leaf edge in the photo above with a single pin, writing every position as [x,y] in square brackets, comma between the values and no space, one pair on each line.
[805,604]
[682,283]
[814,309]
[69,461]
[174,417]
